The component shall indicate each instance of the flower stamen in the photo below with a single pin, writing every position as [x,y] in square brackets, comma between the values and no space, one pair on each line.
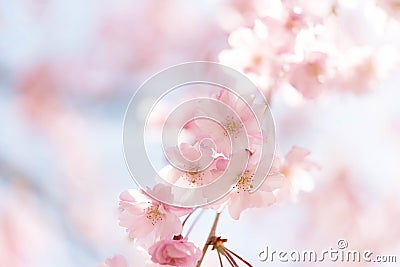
[232,127]
[154,215]
[245,182]
[194,176]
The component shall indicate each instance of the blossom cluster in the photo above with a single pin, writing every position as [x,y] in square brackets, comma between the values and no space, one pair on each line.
[158,227]
[292,44]
[310,47]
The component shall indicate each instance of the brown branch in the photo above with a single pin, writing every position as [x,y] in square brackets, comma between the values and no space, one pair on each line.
[209,238]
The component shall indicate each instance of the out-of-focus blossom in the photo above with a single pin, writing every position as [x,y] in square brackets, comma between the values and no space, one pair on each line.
[392,7]
[340,206]
[116,261]
[17,207]
[147,219]
[37,85]
[296,169]
[268,55]
[309,76]
[360,69]
[316,11]
[252,53]
[65,129]
[309,47]
[313,46]
[175,253]
[262,51]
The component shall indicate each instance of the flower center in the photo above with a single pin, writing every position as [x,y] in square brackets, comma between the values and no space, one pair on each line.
[154,215]
[194,176]
[245,182]
[232,127]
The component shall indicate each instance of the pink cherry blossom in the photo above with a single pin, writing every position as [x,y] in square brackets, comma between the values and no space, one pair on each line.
[297,172]
[310,76]
[263,51]
[116,261]
[360,69]
[392,7]
[175,253]
[310,47]
[240,198]
[251,53]
[316,11]
[246,122]
[147,219]
[193,176]
[246,115]
[363,221]
[221,135]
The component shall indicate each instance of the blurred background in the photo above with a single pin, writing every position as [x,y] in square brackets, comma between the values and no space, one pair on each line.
[67,72]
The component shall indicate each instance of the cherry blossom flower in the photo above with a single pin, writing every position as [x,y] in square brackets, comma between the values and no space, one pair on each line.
[310,76]
[116,261]
[248,121]
[296,170]
[147,219]
[193,176]
[240,198]
[222,137]
[316,11]
[360,69]
[392,7]
[251,53]
[175,252]
[263,51]
[363,221]
[308,46]
[245,122]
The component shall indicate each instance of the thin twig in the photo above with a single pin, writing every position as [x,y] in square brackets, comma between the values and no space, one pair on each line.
[220,260]
[240,258]
[230,259]
[194,222]
[187,217]
[210,235]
